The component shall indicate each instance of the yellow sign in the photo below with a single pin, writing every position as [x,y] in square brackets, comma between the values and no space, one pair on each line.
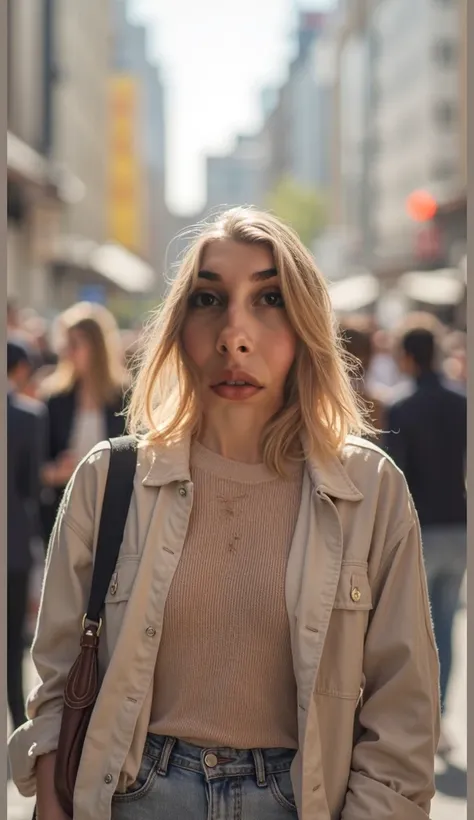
[124,174]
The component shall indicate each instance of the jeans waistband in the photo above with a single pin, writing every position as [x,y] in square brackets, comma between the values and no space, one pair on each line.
[217,761]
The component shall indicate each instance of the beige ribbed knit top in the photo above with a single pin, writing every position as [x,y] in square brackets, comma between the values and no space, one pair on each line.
[224,673]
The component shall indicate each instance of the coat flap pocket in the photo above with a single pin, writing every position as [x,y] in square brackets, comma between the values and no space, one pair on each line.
[122,580]
[353,591]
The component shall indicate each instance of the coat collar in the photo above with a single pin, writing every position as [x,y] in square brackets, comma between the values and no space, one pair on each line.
[165,464]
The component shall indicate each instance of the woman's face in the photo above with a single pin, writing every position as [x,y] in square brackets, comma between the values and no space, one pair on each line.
[79,352]
[236,331]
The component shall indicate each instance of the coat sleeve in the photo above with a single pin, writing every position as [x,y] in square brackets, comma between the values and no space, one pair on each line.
[392,771]
[63,603]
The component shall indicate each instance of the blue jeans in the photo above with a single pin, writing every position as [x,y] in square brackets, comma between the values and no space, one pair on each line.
[178,781]
[445,554]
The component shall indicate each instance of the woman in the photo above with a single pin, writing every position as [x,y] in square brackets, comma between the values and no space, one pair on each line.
[84,397]
[268,645]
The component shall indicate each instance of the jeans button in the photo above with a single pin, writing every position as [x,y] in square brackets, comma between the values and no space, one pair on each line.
[211,760]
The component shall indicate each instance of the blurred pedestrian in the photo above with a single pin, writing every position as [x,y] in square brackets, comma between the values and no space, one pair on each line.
[84,396]
[427,439]
[267,623]
[383,374]
[26,437]
[37,327]
[455,362]
[357,339]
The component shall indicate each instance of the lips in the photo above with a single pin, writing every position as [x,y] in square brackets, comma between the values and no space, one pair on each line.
[237,378]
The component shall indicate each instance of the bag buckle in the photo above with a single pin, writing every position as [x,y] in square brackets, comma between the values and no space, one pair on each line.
[98,625]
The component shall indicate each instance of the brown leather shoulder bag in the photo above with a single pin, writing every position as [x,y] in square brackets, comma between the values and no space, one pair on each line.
[83,683]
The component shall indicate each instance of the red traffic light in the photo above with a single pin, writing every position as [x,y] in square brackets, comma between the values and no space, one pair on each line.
[421,206]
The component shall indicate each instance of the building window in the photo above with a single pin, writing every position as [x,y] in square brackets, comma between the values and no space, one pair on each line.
[445,52]
[445,114]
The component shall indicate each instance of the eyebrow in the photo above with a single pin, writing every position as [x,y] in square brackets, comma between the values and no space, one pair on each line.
[258,276]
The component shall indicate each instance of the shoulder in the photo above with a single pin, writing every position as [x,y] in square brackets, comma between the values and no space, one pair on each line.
[58,399]
[85,491]
[365,454]
[454,394]
[378,478]
[28,407]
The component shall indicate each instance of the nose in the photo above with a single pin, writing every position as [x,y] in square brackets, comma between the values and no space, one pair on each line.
[234,337]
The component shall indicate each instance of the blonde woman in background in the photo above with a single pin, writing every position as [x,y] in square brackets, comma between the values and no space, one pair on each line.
[268,651]
[84,396]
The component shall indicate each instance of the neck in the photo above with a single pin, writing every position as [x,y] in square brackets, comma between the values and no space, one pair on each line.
[238,439]
[425,373]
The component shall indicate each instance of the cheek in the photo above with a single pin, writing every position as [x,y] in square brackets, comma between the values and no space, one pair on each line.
[197,342]
[281,352]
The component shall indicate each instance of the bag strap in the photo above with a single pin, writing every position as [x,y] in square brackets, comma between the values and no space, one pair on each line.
[117,497]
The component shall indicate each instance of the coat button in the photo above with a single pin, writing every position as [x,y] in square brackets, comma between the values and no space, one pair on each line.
[108,779]
[182,491]
[150,632]
[211,760]
[355,594]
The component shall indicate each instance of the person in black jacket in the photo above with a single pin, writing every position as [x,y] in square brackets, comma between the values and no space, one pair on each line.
[26,438]
[84,397]
[427,440]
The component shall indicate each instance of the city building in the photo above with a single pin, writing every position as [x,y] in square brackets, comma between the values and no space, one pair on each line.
[131,61]
[310,102]
[349,46]
[294,140]
[87,264]
[38,189]
[236,178]
[417,126]
[296,134]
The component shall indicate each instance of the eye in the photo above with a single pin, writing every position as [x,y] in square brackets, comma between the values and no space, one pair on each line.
[273,299]
[202,299]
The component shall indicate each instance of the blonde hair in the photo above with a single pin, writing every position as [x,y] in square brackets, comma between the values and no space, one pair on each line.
[320,405]
[108,375]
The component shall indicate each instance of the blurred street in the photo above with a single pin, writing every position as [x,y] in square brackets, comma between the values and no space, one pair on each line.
[308,109]
[450,802]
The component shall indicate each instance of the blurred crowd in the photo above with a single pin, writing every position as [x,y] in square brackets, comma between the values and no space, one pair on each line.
[67,386]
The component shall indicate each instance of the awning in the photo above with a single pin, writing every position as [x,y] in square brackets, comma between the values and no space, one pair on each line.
[354,293]
[110,261]
[122,267]
[26,164]
[442,287]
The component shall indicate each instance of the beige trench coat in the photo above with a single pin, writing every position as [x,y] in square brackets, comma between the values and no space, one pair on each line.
[364,656]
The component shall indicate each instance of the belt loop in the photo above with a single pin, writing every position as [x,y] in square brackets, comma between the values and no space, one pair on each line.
[164,760]
[259,767]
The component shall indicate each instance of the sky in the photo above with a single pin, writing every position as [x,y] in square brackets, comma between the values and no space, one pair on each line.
[216,56]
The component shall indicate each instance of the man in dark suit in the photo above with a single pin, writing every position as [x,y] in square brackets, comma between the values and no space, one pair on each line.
[26,439]
[427,439]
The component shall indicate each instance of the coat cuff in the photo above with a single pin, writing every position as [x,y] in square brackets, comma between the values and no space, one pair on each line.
[367,797]
[29,742]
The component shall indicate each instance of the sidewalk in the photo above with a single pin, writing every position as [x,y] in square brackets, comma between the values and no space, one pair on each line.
[450,801]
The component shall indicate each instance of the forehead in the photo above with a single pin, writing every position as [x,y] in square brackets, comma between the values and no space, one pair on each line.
[225,256]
